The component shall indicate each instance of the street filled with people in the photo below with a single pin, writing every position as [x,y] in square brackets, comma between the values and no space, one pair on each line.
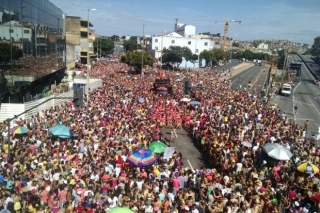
[255,158]
[36,66]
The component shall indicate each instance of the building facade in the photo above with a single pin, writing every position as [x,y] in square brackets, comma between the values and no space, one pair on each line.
[77,45]
[33,30]
[182,38]
[263,48]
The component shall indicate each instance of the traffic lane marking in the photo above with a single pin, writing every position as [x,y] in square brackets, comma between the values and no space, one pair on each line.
[314,106]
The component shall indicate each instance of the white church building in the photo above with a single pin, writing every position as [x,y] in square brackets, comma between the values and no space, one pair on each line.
[185,36]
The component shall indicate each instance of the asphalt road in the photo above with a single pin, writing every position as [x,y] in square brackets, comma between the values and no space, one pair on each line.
[306,95]
[226,67]
[244,77]
[191,156]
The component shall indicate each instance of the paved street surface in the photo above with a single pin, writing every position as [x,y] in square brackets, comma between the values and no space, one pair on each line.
[191,156]
[244,77]
[306,95]
[226,67]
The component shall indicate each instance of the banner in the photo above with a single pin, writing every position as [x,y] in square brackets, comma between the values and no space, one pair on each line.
[168,153]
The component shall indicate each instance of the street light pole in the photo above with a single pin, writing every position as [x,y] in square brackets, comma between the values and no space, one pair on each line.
[162,47]
[88,56]
[100,47]
[142,49]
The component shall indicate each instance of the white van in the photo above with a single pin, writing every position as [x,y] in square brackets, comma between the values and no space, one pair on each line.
[286,89]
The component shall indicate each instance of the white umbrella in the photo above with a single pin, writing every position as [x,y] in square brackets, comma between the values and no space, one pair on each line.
[277,151]
[246,143]
[185,100]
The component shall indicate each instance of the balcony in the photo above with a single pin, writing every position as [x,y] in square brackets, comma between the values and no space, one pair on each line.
[83,29]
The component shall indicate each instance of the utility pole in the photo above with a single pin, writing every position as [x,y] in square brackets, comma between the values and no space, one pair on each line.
[142,49]
[284,63]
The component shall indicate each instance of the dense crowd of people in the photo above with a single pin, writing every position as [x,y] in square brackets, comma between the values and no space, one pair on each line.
[38,66]
[89,172]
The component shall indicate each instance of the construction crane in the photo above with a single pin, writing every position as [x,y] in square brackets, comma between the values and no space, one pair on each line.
[226,29]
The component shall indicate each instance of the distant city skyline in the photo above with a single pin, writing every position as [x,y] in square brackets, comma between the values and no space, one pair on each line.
[273,19]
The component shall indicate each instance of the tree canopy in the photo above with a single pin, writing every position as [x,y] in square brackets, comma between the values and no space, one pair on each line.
[175,54]
[308,52]
[106,45]
[215,55]
[5,52]
[115,38]
[316,48]
[248,54]
[130,44]
[134,59]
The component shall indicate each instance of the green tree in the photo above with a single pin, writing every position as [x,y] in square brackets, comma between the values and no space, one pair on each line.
[316,48]
[5,52]
[106,45]
[206,55]
[186,53]
[134,59]
[174,54]
[131,44]
[193,59]
[235,44]
[115,38]
[308,52]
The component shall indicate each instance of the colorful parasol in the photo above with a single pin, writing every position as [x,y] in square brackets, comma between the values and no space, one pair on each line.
[21,130]
[142,157]
[308,168]
[61,131]
[157,146]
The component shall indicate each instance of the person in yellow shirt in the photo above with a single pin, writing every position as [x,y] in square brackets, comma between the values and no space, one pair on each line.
[32,208]
[6,148]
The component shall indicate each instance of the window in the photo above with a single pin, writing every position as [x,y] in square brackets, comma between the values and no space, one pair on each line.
[189,42]
[172,42]
[26,31]
[197,50]
[10,30]
[205,43]
[156,48]
[156,40]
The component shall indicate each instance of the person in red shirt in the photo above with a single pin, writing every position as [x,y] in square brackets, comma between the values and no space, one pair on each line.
[80,208]
[88,208]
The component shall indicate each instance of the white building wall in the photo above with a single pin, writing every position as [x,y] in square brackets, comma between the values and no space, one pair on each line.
[190,31]
[185,30]
[195,45]
[16,34]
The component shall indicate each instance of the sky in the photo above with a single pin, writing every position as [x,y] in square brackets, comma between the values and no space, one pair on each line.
[294,20]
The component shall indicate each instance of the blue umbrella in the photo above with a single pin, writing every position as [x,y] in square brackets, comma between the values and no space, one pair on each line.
[61,131]
[141,100]
[142,157]
[195,103]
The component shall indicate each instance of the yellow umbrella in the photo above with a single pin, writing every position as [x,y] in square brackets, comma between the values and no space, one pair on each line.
[308,168]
